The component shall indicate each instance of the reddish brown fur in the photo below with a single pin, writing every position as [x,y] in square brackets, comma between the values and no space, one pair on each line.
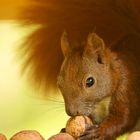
[111,19]
[117,22]
[116,78]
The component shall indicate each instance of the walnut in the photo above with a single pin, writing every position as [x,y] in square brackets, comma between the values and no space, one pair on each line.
[134,136]
[2,137]
[27,135]
[61,136]
[77,125]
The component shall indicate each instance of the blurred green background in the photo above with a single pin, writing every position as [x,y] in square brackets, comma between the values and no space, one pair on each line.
[20,107]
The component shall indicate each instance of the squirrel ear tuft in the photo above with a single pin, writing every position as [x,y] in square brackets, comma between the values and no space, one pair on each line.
[94,44]
[65,46]
[95,47]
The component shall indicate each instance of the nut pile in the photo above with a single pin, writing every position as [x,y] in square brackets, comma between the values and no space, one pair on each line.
[74,128]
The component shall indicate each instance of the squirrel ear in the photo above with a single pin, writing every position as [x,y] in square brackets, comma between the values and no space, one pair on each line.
[65,46]
[95,46]
[95,43]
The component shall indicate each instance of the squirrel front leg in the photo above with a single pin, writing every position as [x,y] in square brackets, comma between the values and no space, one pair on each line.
[109,129]
[120,119]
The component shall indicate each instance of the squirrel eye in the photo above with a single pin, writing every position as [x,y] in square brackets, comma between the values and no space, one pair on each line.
[90,82]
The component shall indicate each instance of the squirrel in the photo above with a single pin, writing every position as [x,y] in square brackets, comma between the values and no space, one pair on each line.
[90,50]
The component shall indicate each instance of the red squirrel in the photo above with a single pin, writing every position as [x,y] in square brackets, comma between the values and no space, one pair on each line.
[95,63]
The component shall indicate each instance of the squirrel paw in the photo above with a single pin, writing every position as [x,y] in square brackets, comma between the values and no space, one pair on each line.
[63,130]
[92,133]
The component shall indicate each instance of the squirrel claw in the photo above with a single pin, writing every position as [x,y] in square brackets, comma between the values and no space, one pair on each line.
[91,133]
[63,130]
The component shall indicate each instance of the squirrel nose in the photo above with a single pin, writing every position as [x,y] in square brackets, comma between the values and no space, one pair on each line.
[73,112]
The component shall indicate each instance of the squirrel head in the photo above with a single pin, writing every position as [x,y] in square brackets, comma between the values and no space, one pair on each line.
[85,76]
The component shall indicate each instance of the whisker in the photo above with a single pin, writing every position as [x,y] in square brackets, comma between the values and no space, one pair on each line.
[52,99]
[55,108]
